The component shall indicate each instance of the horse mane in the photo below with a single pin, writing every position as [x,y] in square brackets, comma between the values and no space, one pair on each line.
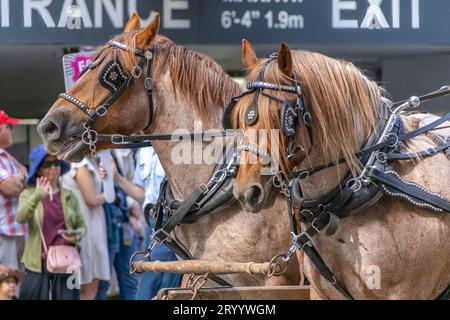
[194,75]
[343,102]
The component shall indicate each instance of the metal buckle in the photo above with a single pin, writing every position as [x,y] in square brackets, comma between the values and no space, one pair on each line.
[314,227]
[117,139]
[354,184]
[102,110]
[309,212]
[136,72]
[148,83]
[309,243]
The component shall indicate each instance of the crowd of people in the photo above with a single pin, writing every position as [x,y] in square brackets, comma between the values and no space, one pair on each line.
[60,239]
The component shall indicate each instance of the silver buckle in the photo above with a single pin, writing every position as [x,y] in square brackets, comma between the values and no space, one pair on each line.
[314,227]
[117,139]
[136,72]
[102,110]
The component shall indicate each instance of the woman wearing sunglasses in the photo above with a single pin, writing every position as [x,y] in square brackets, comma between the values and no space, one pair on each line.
[54,219]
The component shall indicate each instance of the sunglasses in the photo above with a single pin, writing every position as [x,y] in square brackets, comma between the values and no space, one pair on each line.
[48,164]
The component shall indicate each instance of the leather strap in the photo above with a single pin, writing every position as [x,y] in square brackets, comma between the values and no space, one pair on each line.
[410,189]
[40,231]
[304,242]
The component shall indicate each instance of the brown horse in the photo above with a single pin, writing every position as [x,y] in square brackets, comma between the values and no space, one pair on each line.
[187,87]
[392,250]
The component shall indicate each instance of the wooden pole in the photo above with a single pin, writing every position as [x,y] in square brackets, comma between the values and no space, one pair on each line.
[204,266]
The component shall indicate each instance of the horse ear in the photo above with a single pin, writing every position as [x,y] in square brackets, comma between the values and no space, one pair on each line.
[146,36]
[248,54]
[284,59]
[134,24]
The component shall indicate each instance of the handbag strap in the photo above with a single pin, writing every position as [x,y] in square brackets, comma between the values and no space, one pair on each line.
[40,230]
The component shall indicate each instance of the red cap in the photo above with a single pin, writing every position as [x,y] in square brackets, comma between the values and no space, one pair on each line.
[4,118]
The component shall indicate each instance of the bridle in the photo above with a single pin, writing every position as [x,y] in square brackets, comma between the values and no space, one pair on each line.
[114,78]
[292,115]
[208,198]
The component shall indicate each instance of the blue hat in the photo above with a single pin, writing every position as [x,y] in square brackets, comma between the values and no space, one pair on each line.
[38,155]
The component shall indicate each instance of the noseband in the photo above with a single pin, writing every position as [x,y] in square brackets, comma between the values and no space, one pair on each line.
[114,78]
[292,116]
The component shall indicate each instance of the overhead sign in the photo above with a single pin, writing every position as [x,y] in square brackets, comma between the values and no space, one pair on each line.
[309,22]
[74,64]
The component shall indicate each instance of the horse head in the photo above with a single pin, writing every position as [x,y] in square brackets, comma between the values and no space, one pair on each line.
[318,109]
[100,101]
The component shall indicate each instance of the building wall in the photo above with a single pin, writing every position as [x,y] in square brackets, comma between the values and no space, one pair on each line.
[419,75]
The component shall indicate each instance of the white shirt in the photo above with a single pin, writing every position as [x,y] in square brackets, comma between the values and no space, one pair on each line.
[148,174]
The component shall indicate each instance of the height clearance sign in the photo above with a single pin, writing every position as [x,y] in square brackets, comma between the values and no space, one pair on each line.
[309,22]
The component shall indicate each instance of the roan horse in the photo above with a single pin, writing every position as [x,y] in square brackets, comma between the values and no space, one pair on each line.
[389,250]
[187,87]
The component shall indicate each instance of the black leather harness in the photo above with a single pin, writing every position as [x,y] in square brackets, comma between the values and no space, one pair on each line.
[354,194]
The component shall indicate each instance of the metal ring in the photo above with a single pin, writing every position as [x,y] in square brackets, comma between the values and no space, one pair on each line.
[132,269]
[136,72]
[396,139]
[89,137]
[277,182]
[381,157]
[273,265]
[354,182]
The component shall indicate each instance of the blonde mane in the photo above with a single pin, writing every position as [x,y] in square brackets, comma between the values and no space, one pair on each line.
[194,75]
[343,102]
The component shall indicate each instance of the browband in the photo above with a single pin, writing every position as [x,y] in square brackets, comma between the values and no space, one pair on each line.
[272,86]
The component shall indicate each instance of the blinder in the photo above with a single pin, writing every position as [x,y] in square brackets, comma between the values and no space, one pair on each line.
[292,115]
[113,76]
[226,117]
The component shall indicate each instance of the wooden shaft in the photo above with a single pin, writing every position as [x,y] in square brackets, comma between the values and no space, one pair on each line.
[203,266]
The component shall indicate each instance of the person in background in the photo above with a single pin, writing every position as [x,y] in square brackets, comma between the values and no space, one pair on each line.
[123,229]
[12,182]
[145,189]
[122,243]
[9,280]
[48,209]
[84,180]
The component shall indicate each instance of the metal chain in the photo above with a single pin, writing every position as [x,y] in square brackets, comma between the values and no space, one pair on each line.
[279,181]
[195,284]
[89,138]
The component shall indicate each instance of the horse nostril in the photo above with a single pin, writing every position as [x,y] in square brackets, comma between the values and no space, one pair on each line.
[49,130]
[254,195]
